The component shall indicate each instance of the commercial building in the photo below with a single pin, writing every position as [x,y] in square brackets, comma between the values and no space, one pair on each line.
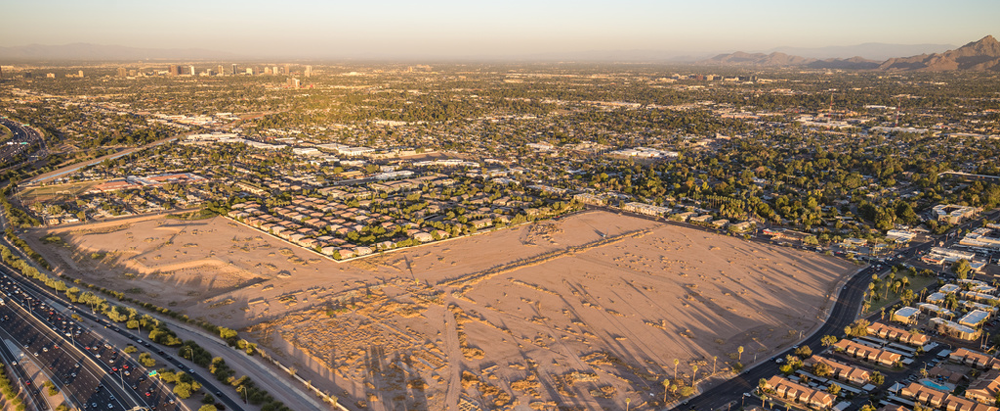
[935,309]
[953,214]
[974,318]
[986,238]
[955,330]
[794,392]
[906,315]
[940,256]
[900,236]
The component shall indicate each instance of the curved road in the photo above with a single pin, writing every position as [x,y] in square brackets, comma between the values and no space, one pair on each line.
[844,312]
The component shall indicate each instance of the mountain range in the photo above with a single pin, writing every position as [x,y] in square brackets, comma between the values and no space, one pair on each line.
[981,55]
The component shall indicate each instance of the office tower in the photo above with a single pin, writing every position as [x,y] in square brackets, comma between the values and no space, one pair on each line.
[192,71]
[309,71]
[234,69]
[79,73]
[274,70]
[288,69]
[267,70]
[220,70]
[122,72]
[174,70]
[249,71]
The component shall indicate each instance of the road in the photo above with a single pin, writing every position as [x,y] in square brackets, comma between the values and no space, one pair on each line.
[23,139]
[88,373]
[844,312]
[21,381]
[100,349]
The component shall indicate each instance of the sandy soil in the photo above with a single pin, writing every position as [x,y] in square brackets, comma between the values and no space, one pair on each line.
[577,313]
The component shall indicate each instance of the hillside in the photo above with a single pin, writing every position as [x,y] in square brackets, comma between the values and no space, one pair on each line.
[979,55]
[982,55]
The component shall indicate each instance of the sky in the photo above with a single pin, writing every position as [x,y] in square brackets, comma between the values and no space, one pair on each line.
[480,28]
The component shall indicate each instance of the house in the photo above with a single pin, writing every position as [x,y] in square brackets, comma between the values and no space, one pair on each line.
[867,353]
[897,334]
[974,359]
[941,400]
[423,237]
[853,375]
[794,392]
[985,388]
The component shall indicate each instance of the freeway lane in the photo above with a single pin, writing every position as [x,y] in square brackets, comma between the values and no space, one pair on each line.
[22,139]
[66,367]
[76,359]
[32,397]
[97,342]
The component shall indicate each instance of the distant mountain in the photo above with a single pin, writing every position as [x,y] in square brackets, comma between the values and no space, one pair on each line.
[979,55]
[740,58]
[871,51]
[853,63]
[86,51]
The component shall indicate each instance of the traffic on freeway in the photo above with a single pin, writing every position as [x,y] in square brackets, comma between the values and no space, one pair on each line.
[91,373]
[23,138]
[118,365]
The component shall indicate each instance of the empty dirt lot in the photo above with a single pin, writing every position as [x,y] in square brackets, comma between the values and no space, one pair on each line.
[577,313]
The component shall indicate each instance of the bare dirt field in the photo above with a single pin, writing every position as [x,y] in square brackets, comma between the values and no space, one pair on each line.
[578,313]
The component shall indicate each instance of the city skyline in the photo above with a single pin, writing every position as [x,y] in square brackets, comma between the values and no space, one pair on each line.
[515,29]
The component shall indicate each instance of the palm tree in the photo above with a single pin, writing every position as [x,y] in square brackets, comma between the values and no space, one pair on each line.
[714,359]
[694,374]
[739,350]
[666,386]
[676,361]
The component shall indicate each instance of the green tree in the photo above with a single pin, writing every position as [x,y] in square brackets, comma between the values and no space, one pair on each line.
[828,340]
[147,360]
[877,378]
[961,268]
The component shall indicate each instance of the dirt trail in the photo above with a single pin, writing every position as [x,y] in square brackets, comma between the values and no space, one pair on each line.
[455,359]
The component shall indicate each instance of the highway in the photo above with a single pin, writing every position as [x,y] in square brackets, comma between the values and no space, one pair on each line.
[38,331]
[21,381]
[99,352]
[23,139]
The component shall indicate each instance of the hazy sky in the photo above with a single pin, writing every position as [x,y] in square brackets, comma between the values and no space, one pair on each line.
[443,28]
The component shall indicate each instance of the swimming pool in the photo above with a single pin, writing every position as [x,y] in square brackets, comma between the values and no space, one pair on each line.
[935,385]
